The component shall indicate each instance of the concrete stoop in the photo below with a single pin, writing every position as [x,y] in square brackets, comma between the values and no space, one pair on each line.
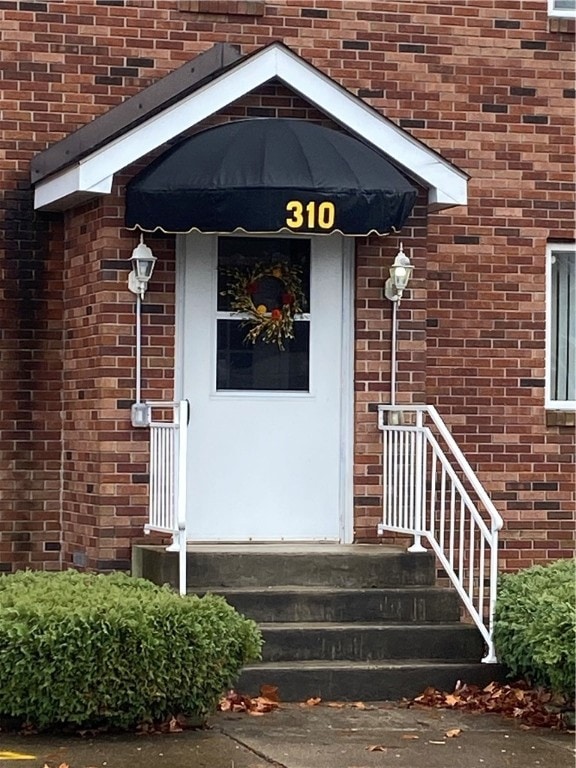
[340,622]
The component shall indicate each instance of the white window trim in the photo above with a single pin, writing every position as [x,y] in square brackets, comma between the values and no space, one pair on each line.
[562,13]
[549,403]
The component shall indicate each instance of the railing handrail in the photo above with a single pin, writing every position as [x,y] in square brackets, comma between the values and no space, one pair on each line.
[412,507]
[466,468]
[497,521]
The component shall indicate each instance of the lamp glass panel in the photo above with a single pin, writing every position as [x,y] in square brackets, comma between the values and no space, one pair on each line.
[145,267]
[400,276]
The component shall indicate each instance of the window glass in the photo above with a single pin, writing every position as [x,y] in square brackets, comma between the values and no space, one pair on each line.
[243,253]
[261,366]
[263,343]
[562,325]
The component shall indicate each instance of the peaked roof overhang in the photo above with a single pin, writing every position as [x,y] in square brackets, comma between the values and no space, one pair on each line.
[83,165]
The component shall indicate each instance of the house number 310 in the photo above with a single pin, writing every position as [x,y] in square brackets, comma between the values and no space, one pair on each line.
[310,215]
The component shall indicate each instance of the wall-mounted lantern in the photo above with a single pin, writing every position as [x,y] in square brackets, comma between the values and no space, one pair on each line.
[400,274]
[142,261]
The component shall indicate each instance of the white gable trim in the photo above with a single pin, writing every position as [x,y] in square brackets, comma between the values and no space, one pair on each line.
[94,174]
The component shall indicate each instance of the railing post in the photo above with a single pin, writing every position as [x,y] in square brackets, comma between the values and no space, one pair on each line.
[181,474]
[490,657]
[419,496]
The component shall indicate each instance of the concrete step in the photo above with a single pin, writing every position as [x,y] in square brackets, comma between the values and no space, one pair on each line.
[359,622]
[267,565]
[371,642]
[303,604]
[362,681]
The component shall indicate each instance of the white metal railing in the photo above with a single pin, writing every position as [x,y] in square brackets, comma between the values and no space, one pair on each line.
[427,495]
[167,499]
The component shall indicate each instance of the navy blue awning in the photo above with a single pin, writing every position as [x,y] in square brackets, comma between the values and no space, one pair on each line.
[267,175]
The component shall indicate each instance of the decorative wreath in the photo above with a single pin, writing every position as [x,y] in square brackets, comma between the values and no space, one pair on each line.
[271,296]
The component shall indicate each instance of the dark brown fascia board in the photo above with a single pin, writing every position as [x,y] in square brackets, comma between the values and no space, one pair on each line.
[135,110]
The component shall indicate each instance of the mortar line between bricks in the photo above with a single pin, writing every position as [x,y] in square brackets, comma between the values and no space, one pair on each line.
[255,752]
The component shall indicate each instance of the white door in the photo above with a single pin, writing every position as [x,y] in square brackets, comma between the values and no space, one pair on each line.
[265,458]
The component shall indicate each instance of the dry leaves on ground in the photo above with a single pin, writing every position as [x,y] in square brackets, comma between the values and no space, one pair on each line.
[533,707]
[172,725]
[268,701]
[316,700]
[62,765]
[312,702]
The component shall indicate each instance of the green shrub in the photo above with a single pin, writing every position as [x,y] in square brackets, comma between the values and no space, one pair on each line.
[90,650]
[535,625]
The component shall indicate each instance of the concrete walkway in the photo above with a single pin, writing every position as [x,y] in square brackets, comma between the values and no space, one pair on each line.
[383,734]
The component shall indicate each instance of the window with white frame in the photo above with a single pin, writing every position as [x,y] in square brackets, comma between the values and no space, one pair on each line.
[562,8]
[561,325]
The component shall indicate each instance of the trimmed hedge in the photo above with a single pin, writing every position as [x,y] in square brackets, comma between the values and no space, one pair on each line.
[535,625]
[90,650]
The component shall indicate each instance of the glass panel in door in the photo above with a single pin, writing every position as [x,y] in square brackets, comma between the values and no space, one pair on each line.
[262,340]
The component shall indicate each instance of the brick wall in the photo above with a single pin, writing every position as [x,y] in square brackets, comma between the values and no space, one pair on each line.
[487,83]
[373,351]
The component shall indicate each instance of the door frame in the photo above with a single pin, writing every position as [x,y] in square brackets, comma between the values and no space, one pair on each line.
[346,491]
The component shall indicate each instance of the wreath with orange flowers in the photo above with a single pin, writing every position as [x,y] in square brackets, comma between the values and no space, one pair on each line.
[270,319]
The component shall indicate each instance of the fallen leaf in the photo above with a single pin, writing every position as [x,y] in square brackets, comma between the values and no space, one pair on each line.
[260,704]
[359,705]
[269,692]
[336,704]
[453,732]
[409,736]
[62,765]
[313,702]
[173,727]
[377,748]
[451,700]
